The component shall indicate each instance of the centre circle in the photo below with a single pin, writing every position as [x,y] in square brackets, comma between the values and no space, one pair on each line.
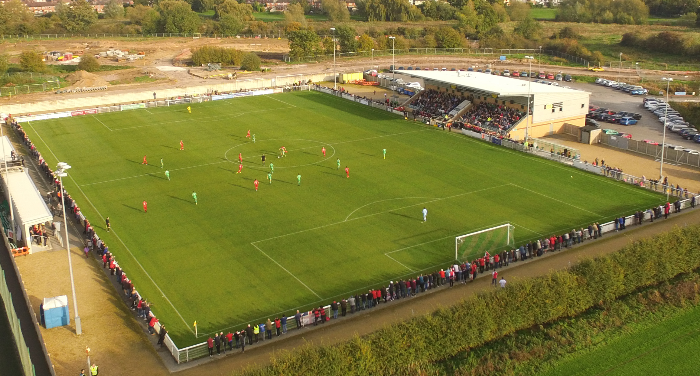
[300,153]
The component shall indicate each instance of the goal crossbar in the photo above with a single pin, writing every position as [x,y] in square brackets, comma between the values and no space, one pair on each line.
[496,238]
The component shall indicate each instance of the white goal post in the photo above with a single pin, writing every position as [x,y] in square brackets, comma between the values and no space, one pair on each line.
[491,240]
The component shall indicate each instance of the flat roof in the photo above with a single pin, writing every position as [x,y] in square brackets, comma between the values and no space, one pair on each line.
[7,147]
[27,200]
[488,83]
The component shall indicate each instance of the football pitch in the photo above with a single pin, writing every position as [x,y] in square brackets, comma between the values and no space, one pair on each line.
[245,255]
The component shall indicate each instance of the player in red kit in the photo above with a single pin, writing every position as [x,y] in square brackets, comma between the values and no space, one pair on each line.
[256,184]
[182,145]
[145,206]
[347,171]
[248,135]
[323,150]
[144,160]
[240,168]
[240,158]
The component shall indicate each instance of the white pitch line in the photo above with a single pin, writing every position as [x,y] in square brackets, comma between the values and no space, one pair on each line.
[285,269]
[200,120]
[397,261]
[388,199]
[152,173]
[378,213]
[557,200]
[115,234]
[279,100]
[95,117]
[532,231]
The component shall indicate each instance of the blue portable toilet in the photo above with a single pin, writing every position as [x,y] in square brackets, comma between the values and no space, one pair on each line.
[54,312]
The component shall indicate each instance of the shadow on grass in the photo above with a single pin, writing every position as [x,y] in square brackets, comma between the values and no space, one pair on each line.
[356,109]
[132,208]
[171,147]
[182,199]
[339,173]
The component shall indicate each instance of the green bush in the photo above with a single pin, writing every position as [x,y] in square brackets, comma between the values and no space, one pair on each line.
[88,63]
[32,61]
[210,54]
[409,347]
[251,62]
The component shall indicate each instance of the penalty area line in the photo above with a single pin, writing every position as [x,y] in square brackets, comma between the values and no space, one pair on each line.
[285,269]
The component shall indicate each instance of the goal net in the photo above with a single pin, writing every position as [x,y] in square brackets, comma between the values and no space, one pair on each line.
[492,240]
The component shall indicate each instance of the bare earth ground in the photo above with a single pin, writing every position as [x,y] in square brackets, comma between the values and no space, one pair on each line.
[119,343]
[165,51]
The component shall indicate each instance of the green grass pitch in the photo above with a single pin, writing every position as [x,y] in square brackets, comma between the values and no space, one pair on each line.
[241,255]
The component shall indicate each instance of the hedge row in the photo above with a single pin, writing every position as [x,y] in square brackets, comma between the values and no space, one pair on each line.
[541,349]
[408,348]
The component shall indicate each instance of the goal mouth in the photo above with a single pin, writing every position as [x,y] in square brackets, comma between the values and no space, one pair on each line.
[491,240]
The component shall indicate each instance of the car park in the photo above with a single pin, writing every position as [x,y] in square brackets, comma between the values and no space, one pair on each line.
[690,134]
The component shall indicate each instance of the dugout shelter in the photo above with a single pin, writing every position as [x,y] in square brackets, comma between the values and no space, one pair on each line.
[553,109]
[27,203]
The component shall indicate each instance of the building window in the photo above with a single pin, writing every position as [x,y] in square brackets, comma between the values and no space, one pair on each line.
[553,110]
[561,109]
[582,104]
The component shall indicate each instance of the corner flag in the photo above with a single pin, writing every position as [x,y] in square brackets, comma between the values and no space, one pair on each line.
[195,328]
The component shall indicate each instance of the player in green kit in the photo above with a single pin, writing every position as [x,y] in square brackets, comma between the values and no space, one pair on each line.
[253,137]
[167,174]
[161,163]
[338,163]
[299,179]
[194,196]
[269,177]
[384,151]
[272,168]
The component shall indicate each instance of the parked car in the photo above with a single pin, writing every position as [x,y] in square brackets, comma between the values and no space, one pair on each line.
[414,85]
[542,75]
[596,69]
[690,134]
[488,71]
[625,135]
[559,77]
[592,123]
[611,132]
[524,74]
[506,73]
[515,74]
[470,69]
[650,142]
[697,138]
[550,76]
[567,78]
[627,121]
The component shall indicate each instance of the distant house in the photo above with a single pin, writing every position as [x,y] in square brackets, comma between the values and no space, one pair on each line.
[39,7]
